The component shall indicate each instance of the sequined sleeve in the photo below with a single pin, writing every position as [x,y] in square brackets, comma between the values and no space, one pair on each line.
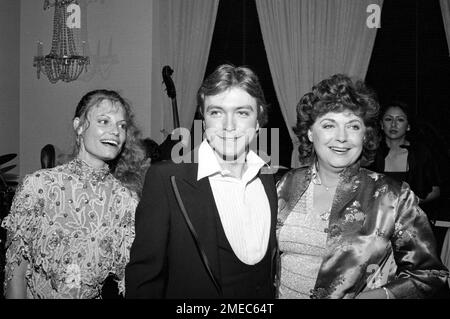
[125,239]
[22,224]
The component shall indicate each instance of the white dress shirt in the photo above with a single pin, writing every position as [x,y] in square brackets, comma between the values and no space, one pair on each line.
[243,205]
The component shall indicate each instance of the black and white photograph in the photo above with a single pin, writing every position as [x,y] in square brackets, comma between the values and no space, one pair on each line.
[224,157]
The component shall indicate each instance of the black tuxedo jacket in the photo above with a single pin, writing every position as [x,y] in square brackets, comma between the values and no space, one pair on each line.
[165,261]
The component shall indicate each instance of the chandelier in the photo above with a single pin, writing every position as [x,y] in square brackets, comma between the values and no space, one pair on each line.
[63,62]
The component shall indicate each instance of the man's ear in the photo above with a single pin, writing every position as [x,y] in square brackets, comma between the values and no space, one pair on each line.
[310,136]
[76,126]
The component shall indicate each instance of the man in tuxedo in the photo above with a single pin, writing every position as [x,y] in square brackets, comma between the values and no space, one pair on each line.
[207,229]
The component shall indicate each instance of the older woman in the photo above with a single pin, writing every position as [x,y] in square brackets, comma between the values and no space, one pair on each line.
[72,225]
[338,223]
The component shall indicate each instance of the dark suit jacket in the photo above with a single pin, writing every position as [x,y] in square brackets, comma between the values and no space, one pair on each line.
[164,260]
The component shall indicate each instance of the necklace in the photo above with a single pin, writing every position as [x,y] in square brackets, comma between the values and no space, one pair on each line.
[325,215]
[318,181]
[327,188]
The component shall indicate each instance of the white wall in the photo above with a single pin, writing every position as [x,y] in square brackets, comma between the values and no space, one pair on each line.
[9,78]
[118,31]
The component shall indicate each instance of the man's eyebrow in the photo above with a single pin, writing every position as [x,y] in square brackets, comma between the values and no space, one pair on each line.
[212,106]
[245,106]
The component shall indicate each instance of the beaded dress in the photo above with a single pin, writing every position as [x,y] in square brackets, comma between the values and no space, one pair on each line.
[74,225]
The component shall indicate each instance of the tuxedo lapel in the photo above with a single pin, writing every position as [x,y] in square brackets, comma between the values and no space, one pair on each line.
[271,192]
[201,210]
[269,186]
[198,199]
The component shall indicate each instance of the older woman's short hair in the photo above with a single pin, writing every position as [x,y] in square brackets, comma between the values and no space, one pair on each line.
[337,94]
[227,76]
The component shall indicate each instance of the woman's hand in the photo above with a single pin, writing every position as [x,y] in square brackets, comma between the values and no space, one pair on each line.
[435,193]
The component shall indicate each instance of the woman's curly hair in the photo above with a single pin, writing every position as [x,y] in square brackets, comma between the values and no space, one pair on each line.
[130,165]
[337,94]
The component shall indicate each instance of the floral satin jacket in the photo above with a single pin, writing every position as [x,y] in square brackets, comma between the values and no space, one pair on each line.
[371,216]
[74,225]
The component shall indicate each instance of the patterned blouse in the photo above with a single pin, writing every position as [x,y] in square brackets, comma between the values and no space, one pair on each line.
[74,226]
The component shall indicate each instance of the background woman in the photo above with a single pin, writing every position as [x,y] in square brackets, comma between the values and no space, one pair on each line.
[406,159]
[338,223]
[72,225]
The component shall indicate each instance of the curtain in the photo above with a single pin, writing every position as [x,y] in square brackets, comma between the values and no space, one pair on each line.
[182,34]
[309,40]
[445,9]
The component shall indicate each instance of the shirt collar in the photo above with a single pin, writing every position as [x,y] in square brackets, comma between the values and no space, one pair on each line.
[208,164]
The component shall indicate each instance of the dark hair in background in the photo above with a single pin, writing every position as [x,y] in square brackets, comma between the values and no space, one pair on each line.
[401,105]
[48,156]
[227,76]
[128,167]
[152,149]
[409,116]
[422,131]
[337,94]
